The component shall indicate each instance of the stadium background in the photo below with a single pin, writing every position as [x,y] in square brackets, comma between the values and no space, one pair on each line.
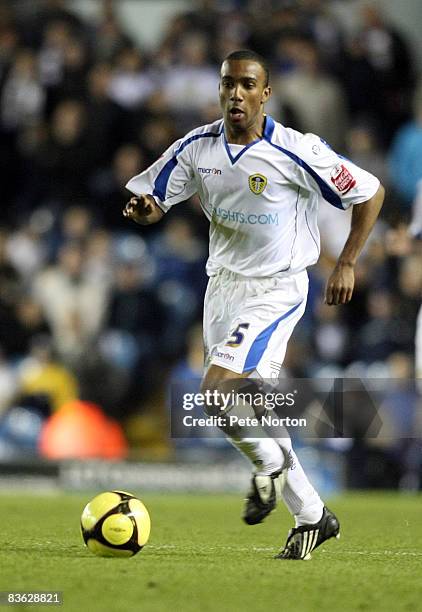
[96,309]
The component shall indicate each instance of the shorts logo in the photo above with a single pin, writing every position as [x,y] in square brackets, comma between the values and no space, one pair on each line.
[257,183]
[209,171]
[342,179]
[222,355]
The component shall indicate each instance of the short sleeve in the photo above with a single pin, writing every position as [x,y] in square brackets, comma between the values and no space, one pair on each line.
[318,168]
[170,179]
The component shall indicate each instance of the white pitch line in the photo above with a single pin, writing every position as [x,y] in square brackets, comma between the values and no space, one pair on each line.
[210,548]
[394,553]
[398,553]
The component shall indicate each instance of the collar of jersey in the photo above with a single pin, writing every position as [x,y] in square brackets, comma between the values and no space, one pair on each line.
[267,134]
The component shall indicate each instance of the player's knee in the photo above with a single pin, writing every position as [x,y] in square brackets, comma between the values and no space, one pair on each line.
[215,385]
[215,405]
[222,390]
[211,391]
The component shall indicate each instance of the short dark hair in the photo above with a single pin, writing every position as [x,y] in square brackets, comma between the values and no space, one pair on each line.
[247,54]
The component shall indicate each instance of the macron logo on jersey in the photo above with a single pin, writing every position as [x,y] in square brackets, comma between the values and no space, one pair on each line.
[209,171]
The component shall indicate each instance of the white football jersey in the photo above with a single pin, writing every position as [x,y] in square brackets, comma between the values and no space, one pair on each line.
[261,199]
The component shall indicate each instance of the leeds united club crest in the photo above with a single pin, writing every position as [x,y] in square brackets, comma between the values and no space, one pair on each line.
[257,183]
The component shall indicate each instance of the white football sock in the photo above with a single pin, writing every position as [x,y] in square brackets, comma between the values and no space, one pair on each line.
[270,453]
[265,453]
[299,495]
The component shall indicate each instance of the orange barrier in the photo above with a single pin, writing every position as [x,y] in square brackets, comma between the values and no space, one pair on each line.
[81,430]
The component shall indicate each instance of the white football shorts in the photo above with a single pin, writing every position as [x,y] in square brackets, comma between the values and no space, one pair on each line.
[248,321]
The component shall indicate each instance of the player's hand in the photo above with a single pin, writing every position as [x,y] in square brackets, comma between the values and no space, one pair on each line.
[340,285]
[139,208]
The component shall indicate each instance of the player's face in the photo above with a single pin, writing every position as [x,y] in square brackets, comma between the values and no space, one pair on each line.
[243,92]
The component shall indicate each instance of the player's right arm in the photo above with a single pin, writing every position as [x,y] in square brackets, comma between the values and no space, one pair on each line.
[166,182]
[143,209]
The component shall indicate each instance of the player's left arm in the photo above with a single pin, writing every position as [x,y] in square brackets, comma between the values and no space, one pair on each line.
[319,169]
[339,289]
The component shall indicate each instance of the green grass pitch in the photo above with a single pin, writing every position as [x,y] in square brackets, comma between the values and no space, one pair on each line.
[201,557]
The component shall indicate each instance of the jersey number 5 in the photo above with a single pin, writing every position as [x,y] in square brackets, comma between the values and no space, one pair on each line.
[237,336]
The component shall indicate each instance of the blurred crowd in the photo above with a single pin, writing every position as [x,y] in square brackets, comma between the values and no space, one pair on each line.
[97,308]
